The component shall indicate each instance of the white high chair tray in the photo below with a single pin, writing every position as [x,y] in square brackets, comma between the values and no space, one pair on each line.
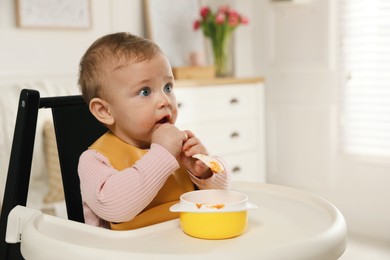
[288,224]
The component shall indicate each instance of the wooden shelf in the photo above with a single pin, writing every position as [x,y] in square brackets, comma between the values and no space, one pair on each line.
[216,81]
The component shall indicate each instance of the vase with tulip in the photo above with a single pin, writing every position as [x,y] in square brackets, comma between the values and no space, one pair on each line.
[218,27]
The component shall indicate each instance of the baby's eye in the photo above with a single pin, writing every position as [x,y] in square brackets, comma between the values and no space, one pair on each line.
[168,88]
[145,92]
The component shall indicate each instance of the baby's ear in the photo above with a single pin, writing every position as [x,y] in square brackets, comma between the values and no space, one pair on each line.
[100,109]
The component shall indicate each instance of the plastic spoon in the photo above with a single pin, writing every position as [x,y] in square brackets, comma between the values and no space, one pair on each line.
[214,165]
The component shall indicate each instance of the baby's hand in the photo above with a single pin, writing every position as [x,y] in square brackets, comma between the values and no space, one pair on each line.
[191,147]
[170,137]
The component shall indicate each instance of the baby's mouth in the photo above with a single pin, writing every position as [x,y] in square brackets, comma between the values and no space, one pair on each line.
[164,120]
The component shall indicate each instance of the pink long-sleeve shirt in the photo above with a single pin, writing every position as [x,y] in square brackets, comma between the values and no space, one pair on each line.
[110,195]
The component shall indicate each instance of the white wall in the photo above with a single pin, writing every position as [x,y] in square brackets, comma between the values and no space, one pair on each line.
[37,53]
[296,48]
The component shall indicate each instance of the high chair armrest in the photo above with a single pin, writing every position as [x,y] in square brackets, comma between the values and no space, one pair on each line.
[17,219]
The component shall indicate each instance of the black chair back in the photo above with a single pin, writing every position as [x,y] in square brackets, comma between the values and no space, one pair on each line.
[75,128]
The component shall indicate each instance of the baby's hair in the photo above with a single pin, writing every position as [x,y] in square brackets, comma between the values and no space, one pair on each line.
[108,53]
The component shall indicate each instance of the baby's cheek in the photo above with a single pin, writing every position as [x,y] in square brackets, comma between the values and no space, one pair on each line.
[146,124]
[174,117]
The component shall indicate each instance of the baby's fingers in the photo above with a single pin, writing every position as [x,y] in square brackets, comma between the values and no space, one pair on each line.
[190,143]
[201,170]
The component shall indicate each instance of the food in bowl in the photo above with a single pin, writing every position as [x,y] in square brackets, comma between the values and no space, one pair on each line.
[213,214]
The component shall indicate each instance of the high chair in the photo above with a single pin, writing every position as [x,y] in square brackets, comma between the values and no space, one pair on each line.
[75,129]
[288,224]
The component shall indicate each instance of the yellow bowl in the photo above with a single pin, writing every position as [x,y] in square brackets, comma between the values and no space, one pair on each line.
[213,214]
[213,225]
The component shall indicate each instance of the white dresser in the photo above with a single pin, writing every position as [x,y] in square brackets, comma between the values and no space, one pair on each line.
[227,114]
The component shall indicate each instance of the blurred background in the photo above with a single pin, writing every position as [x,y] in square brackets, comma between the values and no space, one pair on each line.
[326,65]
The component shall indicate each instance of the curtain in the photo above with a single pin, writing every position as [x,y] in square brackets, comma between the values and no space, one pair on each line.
[365,61]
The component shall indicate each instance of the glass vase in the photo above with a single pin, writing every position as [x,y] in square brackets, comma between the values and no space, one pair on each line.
[223,57]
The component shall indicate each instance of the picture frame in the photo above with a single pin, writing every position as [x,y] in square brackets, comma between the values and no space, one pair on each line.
[49,14]
[169,23]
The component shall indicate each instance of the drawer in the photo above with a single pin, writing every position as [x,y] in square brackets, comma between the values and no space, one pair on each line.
[226,137]
[246,167]
[205,104]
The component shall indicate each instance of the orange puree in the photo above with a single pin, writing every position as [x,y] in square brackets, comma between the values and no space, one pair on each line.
[215,167]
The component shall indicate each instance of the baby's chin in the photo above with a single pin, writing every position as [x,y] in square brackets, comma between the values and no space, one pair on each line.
[144,145]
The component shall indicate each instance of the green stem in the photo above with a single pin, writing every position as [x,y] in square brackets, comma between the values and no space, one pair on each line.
[220,44]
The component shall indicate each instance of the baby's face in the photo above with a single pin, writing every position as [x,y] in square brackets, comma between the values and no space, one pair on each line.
[141,98]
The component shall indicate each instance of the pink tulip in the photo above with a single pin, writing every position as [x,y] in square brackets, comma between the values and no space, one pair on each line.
[196,25]
[224,9]
[223,17]
[244,20]
[204,11]
[234,19]
[220,18]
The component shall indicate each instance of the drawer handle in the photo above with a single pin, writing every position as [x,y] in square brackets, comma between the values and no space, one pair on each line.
[234,135]
[236,169]
[234,101]
[179,105]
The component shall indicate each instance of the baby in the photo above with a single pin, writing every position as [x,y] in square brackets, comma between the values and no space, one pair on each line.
[131,175]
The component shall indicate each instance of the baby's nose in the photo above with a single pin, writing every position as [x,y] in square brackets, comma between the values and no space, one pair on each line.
[164,100]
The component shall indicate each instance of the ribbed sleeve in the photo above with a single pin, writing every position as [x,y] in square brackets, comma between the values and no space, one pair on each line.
[118,196]
[216,181]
